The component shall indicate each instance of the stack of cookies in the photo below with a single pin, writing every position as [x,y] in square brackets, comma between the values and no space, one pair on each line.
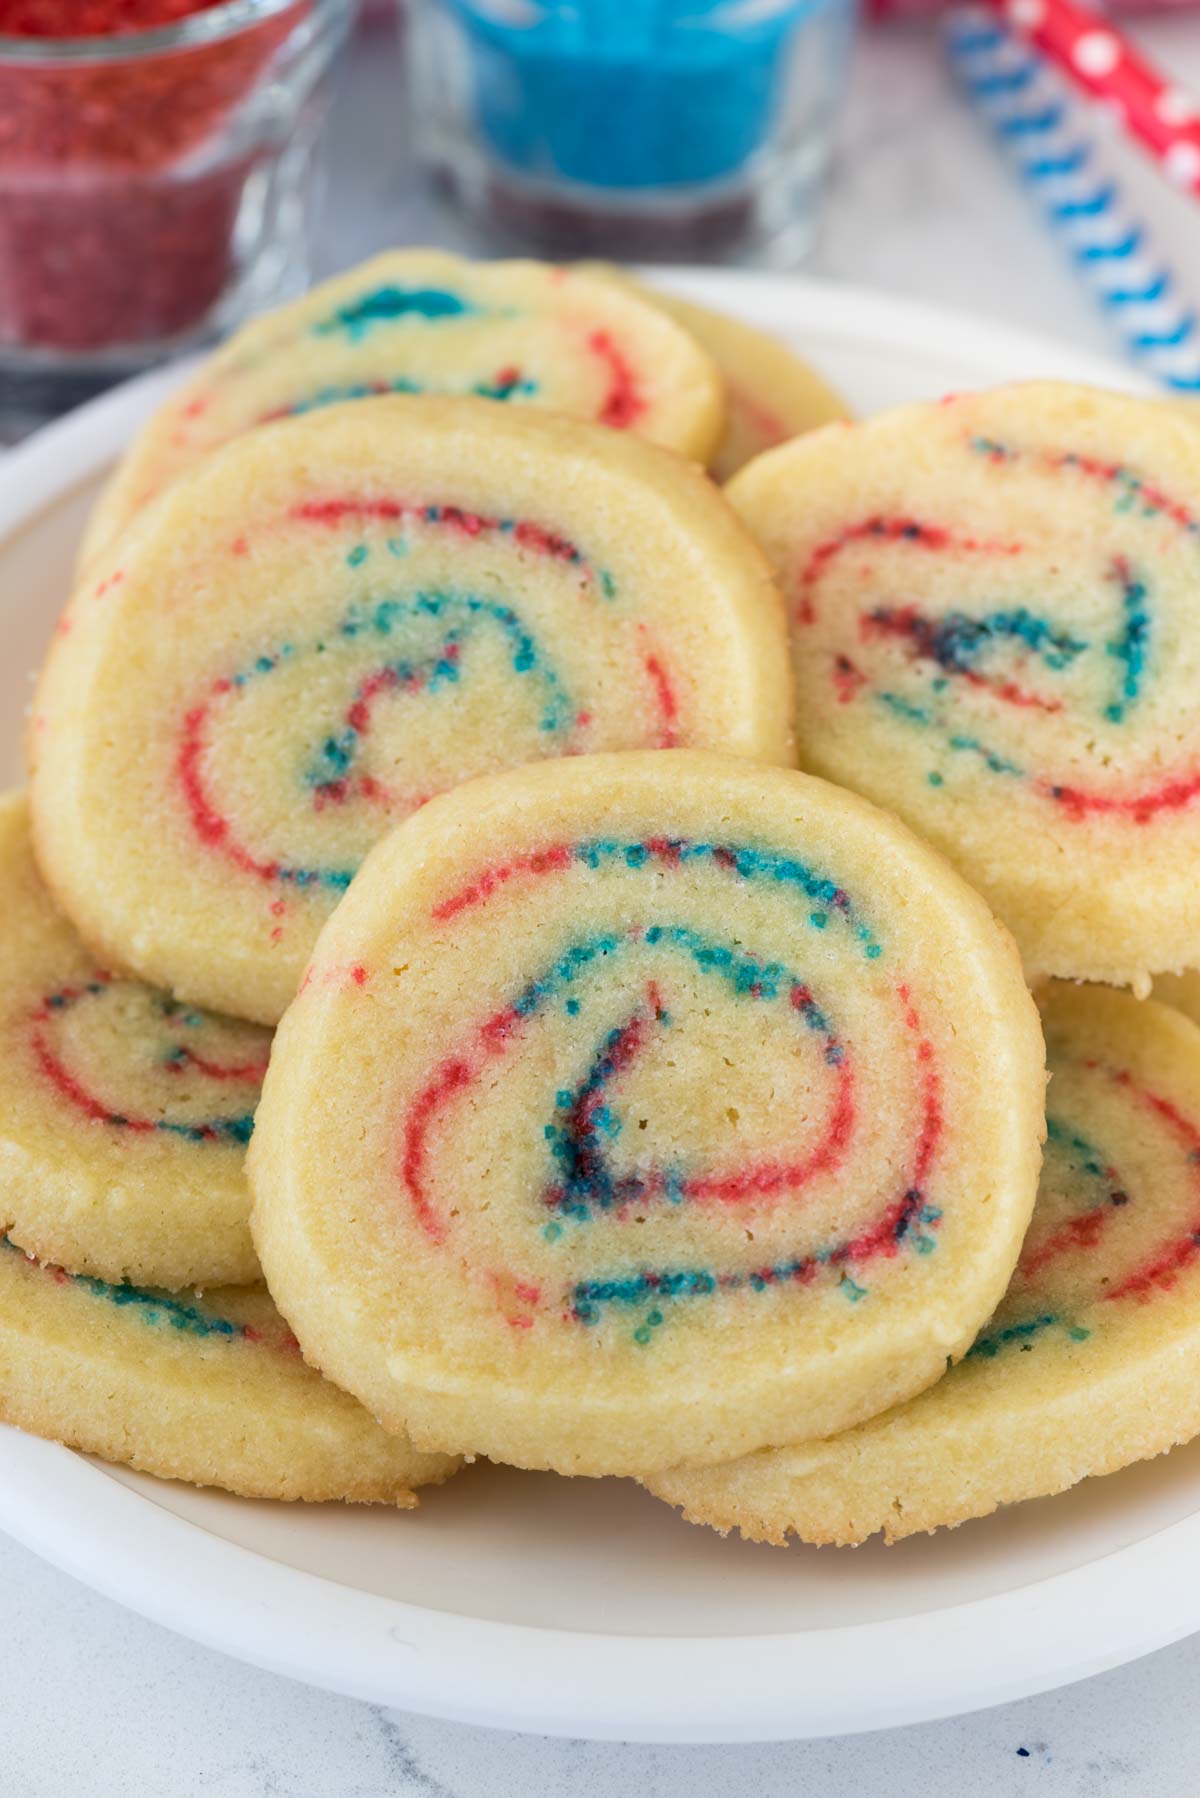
[638,1104]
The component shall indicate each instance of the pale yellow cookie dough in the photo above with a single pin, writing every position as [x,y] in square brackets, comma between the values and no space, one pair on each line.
[340,616]
[205,1387]
[124,1117]
[424,321]
[636,1107]
[1180,990]
[995,606]
[1091,1361]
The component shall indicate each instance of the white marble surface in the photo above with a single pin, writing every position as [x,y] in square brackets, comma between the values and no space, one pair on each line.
[99,1702]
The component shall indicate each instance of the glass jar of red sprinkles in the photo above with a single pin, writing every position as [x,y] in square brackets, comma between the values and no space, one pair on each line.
[155,158]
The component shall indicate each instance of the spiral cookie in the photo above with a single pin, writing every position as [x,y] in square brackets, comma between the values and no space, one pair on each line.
[207,1387]
[423,321]
[343,615]
[771,394]
[1090,1362]
[124,1116]
[996,614]
[676,1121]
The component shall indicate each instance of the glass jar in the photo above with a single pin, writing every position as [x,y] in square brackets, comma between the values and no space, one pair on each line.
[664,129]
[153,188]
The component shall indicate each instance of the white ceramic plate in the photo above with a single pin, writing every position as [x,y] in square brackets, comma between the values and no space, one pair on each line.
[586,1608]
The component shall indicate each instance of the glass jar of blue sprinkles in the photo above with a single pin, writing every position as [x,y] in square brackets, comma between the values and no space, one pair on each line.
[649,129]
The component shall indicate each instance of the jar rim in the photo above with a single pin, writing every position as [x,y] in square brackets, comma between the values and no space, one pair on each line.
[207,27]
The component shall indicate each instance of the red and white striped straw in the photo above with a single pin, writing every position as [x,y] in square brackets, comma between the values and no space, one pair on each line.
[1101,60]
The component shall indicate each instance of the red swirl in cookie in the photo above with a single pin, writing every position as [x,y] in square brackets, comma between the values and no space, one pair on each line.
[992,613]
[124,1114]
[1013,658]
[402,652]
[185,1073]
[1089,1362]
[336,620]
[671,1137]
[520,336]
[594,1179]
[1099,1235]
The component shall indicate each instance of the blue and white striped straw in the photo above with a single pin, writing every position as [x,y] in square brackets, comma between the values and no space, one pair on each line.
[1037,124]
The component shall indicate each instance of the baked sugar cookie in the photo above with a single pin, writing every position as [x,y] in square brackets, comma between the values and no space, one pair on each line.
[661,1117]
[424,321]
[1182,991]
[124,1116]
[996,614]
[1090,1362]
[342,615]
[771,394]
[206,1387]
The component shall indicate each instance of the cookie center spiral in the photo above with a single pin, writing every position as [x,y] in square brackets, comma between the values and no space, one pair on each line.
[704,1120]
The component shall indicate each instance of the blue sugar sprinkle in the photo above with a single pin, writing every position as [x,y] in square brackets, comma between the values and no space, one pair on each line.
[1130,648]
[387,305]
[988,1347]
[154,1307]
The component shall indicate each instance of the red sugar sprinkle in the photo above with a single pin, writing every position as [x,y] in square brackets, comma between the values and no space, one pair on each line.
[511,1292]
[247,1072]
[766,1178]
[333,511]
[766,425]
[525,532]
[206,821]
[103,240]
[541,861]
[1083,1232]
[535,536]
[92,18]
[623,404]
[879,528]
[1160,1272]
[65,1082]
[911,626]
[668,705]
[450,1078]
[848,680]
[1172,796]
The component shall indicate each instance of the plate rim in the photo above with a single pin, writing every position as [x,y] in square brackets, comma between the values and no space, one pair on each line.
[646,1688]
[841,1680]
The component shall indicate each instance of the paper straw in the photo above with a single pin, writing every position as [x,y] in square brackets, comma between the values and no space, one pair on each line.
[1029,110]
[1093,54]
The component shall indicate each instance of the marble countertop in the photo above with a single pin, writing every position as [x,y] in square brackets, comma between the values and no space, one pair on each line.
[98,1701]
